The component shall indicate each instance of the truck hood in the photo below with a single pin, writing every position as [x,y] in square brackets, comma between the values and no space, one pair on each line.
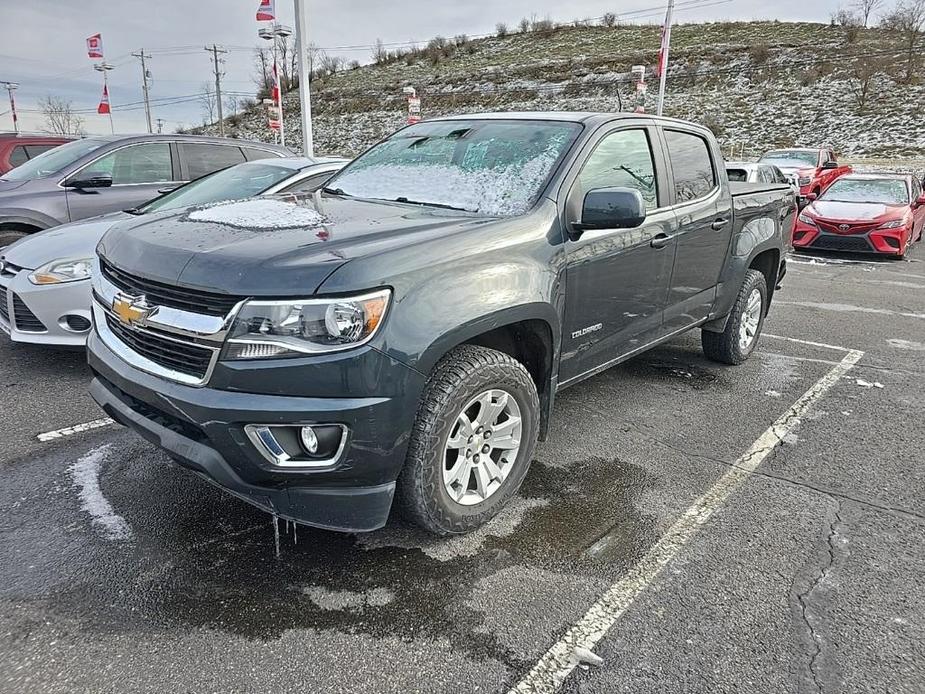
[272,246]
[856,211]
[797,170]
[76,240]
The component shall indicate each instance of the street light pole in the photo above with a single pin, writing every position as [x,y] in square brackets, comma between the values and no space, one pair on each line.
[305,76]
[663,58]
[104,68]
[274,34]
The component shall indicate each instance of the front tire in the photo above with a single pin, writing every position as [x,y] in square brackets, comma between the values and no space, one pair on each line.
[8,237]
[472,441]
[738,339]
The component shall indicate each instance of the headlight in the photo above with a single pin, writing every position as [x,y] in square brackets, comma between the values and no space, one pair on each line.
[805,180]
[807,219]
[60,271]
[895,224]
[265,329]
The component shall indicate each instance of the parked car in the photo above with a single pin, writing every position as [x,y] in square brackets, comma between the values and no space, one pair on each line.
[754,172]
[814,169]
[867,213]
[45,277]
[96,175]
[16,149]
[406,329]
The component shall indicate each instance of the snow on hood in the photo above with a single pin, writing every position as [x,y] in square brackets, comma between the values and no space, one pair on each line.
[260,213]
[855,211]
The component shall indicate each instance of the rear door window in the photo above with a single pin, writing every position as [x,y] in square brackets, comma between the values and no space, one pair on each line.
[623,159]
[148,162]
[202,159]
[692,165]
[18,156]
[253,154]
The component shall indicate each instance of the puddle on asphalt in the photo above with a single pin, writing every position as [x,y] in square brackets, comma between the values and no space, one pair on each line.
[186,571]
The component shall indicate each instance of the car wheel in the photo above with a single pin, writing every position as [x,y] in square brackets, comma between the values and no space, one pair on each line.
[8,237]
[738,340]
[472,441]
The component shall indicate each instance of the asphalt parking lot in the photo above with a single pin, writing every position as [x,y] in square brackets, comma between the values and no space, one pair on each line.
[657,526]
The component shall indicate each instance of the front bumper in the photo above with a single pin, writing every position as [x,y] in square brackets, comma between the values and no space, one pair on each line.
[203,429]
[881,241]
[52,314]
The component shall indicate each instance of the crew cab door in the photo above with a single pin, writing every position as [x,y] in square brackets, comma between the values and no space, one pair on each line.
[138,172]
[616,279]
[704,213]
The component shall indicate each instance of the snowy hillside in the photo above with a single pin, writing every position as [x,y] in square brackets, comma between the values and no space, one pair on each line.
[758,85]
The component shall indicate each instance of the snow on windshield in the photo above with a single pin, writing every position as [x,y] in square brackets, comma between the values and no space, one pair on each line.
[259,214]
[884,191]
[494,168]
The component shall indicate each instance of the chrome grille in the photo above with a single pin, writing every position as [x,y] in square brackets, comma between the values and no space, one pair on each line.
[184,357]
[161,294]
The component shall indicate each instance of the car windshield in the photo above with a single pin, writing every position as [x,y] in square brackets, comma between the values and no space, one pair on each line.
[737,175]
[233,183]
[792,158]
[490,167]
[885,191]
[53,161]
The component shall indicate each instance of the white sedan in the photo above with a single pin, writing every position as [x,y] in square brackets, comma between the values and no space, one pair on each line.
[44,278]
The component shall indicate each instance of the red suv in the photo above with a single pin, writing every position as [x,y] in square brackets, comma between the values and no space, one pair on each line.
[18,149]
[812,170]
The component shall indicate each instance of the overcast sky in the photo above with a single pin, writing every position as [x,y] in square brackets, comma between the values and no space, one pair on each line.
[42,42]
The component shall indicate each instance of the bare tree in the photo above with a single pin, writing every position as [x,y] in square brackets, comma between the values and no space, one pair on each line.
[379,53]
[907,18]
[60,118]
[232,104]
[865,8]
[263,63]
[329,64]
[863,73]
[207,103]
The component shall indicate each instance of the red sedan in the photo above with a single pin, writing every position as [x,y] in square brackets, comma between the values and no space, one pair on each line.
[865,213]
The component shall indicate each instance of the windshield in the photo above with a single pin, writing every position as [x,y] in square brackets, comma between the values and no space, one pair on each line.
[495,168]
[885,191]
[792,158]
[233,183]
[52,161]
[737,175]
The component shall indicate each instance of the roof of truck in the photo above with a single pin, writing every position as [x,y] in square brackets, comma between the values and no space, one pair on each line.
[568,116]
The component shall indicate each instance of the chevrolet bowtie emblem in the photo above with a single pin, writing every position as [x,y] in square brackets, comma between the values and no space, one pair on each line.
[131,310]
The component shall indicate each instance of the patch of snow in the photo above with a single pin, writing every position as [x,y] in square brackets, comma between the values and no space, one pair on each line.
[348,600]
[868,384]
[259,213]
[906,344]
[86,473]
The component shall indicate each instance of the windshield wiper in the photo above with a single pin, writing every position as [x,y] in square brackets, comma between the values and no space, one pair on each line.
[428,204]
[336,191]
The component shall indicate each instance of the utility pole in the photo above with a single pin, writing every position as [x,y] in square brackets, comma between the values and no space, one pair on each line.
[144,85]
[160,125]
[305,75]
[215,50]
[663,57]
[11,87]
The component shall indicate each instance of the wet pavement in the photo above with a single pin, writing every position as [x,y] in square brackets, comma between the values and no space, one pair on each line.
[122,573]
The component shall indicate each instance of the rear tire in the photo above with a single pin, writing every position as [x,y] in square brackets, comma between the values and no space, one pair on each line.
[469,384]
[738,339]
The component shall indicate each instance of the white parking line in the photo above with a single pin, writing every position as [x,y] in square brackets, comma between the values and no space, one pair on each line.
[556,664]
[76,429]
[807,342]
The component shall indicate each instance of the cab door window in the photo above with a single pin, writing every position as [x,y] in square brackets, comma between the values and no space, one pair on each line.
[621,159]
[692,165]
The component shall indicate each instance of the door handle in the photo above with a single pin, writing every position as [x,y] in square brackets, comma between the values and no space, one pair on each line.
[660,240]
[719,223]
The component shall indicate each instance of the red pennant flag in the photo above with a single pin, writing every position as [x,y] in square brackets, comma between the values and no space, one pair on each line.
[95,46]
[103,108]
[267,11]
[275,95]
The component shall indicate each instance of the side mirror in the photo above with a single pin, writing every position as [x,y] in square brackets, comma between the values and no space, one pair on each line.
[90,179]
[610,208]
[830,165]
[811,197]
[920,201]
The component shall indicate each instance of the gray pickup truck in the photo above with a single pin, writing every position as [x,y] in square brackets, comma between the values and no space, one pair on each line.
[403,333]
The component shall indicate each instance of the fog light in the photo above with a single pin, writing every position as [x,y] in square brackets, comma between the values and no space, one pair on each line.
[309,440]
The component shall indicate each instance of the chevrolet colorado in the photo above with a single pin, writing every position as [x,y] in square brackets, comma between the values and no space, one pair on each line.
[404,332]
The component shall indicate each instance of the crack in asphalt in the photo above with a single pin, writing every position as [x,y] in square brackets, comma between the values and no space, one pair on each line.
[805,597]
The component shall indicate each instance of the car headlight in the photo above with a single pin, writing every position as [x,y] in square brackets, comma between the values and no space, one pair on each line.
[265,329]
[806,219]
[60,271]
[805,180]
[895,224]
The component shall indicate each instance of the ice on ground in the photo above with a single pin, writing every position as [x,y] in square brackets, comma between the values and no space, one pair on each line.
[86,473]
[259,214]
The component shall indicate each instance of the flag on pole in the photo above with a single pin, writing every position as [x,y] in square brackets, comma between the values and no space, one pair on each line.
[267,11]
[95,46]
[103,108]
[275,92]
[663,50]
